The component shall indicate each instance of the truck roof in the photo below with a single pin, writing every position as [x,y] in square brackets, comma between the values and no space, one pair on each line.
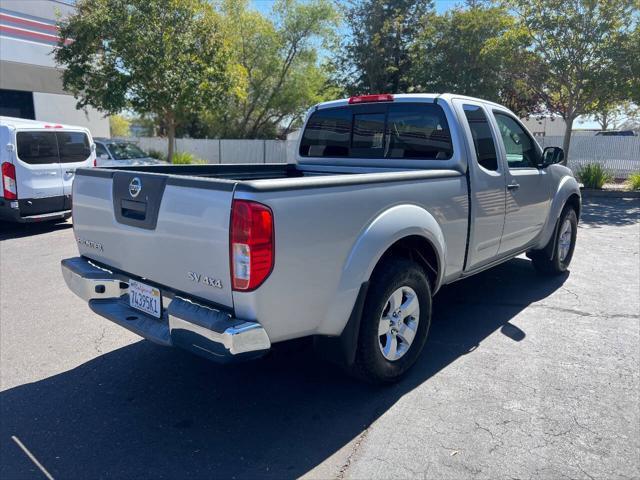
[14,122]
[428,97]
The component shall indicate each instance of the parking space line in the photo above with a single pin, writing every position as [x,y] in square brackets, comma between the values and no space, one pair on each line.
[32,457]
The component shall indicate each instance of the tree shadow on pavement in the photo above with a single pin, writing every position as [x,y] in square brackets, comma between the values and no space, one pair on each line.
[603,211]
[18,230]
[143,411]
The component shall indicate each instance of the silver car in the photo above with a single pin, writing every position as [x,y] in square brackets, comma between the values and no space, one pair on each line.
[122,153]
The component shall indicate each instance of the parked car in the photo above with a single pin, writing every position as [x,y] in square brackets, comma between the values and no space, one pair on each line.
[616,133]
[121,153]
[39,160]
[392,197]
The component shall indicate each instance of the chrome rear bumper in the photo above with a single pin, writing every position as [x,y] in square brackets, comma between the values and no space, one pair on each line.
[205,331]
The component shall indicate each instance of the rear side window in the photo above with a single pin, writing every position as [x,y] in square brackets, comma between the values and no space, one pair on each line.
[482,138]
[73,147]
[37,148]
[400,131]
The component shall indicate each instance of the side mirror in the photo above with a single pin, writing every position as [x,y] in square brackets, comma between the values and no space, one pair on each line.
[104,156]
[551,155]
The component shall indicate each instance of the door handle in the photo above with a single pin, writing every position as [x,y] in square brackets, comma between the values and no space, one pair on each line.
[513,186]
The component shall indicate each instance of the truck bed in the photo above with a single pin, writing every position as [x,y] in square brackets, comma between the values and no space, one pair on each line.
[176,226]
[272,176]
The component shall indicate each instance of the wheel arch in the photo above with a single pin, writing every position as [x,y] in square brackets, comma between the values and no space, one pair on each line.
[567,193]
[402,229]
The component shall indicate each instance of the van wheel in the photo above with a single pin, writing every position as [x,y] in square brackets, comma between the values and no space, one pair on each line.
[395,321]
[565,243]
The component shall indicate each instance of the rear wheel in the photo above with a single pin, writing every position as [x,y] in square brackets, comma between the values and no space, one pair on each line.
[565,242]
[395,321]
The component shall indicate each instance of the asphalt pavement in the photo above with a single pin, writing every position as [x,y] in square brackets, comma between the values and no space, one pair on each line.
[523,376]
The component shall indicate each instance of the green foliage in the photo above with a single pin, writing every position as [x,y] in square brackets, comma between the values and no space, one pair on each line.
[593,175]
[186,158]
[119,126]
[161,57]
[158,155]
[634,65]
[634,181]
[275,63]
[586,50]
[376,55]
[478,51]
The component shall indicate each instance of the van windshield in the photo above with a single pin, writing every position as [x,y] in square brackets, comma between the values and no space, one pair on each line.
[399,131]
[125,151]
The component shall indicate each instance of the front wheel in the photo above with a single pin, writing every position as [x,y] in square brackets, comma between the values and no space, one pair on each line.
[565,243]
[395,321]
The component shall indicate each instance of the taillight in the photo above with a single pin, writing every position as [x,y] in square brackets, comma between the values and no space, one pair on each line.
[10,191]
[95,162]
[378,97]
[252,244]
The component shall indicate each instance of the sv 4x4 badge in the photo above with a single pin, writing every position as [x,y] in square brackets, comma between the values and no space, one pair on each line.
[198,278]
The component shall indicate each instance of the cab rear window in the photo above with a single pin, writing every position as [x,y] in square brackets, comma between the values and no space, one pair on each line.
[398,131]
[39,148]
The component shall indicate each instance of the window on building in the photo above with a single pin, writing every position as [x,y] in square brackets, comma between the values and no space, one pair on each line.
[15,103]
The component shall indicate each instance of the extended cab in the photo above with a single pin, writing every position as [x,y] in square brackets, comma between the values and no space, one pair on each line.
[391,198]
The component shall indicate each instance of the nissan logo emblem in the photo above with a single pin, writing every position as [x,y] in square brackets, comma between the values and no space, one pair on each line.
[135,187]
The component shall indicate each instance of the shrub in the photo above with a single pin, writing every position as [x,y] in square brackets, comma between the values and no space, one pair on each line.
[158,155]
[185,158]
[634,181]
[593,175]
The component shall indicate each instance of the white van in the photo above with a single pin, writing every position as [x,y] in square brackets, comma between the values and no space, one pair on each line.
[38,161]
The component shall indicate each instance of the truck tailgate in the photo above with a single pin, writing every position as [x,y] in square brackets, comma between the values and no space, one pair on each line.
[170,230]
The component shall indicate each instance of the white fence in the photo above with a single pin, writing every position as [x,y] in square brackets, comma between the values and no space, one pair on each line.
[619,155]
[227,151]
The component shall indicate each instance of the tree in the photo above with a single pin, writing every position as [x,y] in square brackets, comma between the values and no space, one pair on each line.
[276,61]
[376,55]
[478,51]
[585,47]
[611,116]
[634,65]
[119,126]
[165,58]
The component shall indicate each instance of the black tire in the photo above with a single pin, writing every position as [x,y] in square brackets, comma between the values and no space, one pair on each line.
[557,265]
[370,363]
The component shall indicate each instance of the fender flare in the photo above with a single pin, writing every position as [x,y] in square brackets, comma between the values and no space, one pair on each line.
[374,240]
[568,186]
[386,229]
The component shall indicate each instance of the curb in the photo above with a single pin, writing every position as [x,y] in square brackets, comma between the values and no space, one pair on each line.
[592,193]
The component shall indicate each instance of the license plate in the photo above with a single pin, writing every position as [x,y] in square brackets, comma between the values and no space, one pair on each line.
[145,298]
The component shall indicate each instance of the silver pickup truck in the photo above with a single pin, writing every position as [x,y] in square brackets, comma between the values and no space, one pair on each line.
[391,197]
